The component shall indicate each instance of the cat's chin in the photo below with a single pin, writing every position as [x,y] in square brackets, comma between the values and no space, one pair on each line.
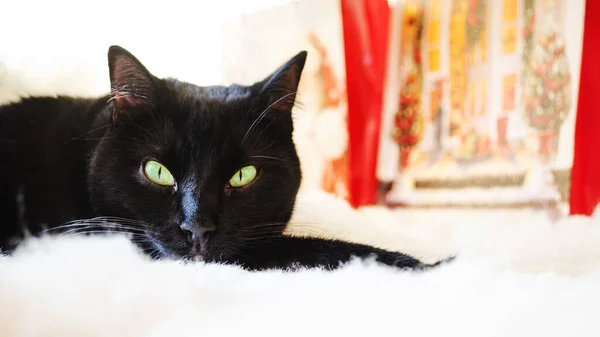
[157,251]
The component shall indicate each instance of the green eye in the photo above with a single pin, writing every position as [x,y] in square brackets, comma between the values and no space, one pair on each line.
[243,177]
[158,173]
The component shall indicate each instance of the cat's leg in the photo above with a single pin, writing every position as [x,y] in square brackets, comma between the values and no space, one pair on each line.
[9,211]
[285,252]
[9,168]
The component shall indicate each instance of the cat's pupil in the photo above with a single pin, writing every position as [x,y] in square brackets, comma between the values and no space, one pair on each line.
[159,170]
[240,174]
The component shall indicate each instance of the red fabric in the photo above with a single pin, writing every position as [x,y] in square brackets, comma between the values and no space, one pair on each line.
[585,181]
[365,24]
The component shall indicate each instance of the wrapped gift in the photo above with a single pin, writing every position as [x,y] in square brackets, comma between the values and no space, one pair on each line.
[256,44]
[480,105]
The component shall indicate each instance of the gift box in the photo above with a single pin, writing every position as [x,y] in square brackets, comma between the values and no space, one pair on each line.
[480,103]
[256,44]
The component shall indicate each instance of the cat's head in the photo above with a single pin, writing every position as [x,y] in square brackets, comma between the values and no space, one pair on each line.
[201,171]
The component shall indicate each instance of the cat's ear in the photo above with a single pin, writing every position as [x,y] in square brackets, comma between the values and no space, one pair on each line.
[132,85]
[280,87]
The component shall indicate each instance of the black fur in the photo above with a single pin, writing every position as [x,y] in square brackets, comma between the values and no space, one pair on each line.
[71,159]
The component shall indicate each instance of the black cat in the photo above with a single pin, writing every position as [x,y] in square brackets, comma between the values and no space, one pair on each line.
[203,173]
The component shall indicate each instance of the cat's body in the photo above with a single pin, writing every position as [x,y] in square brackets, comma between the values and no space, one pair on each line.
[42,168]
[195,173]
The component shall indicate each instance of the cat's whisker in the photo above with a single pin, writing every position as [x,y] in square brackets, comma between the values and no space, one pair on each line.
[275,158]
[263,113]
[257,229]
[98,221]
[276,225]
[141,128]
[79,138]
[296,105]
[116,139]
[239,246]
[277,231]
[66,226]
[140,240]
[257,135]
[87,232]
[129,235]
[307,226]
[153,253]
[84,228]
[269,224]
[261,231]
[236,251]
[122,220]
[119,229]
[254,238]
[115,218]
[87,133]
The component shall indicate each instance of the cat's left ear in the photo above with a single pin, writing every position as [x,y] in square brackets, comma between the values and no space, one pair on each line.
[280,87]
[132,85]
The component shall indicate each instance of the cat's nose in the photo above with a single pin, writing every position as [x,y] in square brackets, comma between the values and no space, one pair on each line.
[198,234]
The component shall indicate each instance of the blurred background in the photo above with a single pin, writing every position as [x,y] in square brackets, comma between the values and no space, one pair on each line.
[405,103]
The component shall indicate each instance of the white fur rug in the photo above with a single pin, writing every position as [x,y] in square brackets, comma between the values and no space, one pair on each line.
[517,275]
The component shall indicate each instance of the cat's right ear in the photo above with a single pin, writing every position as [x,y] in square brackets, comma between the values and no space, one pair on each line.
[132,85]
[280,87]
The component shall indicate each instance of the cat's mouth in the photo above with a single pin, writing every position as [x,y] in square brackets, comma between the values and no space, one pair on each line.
[157,250]
[196,258]
[197,253]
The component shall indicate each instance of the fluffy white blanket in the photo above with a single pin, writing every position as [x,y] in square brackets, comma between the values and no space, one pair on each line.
[517,274]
